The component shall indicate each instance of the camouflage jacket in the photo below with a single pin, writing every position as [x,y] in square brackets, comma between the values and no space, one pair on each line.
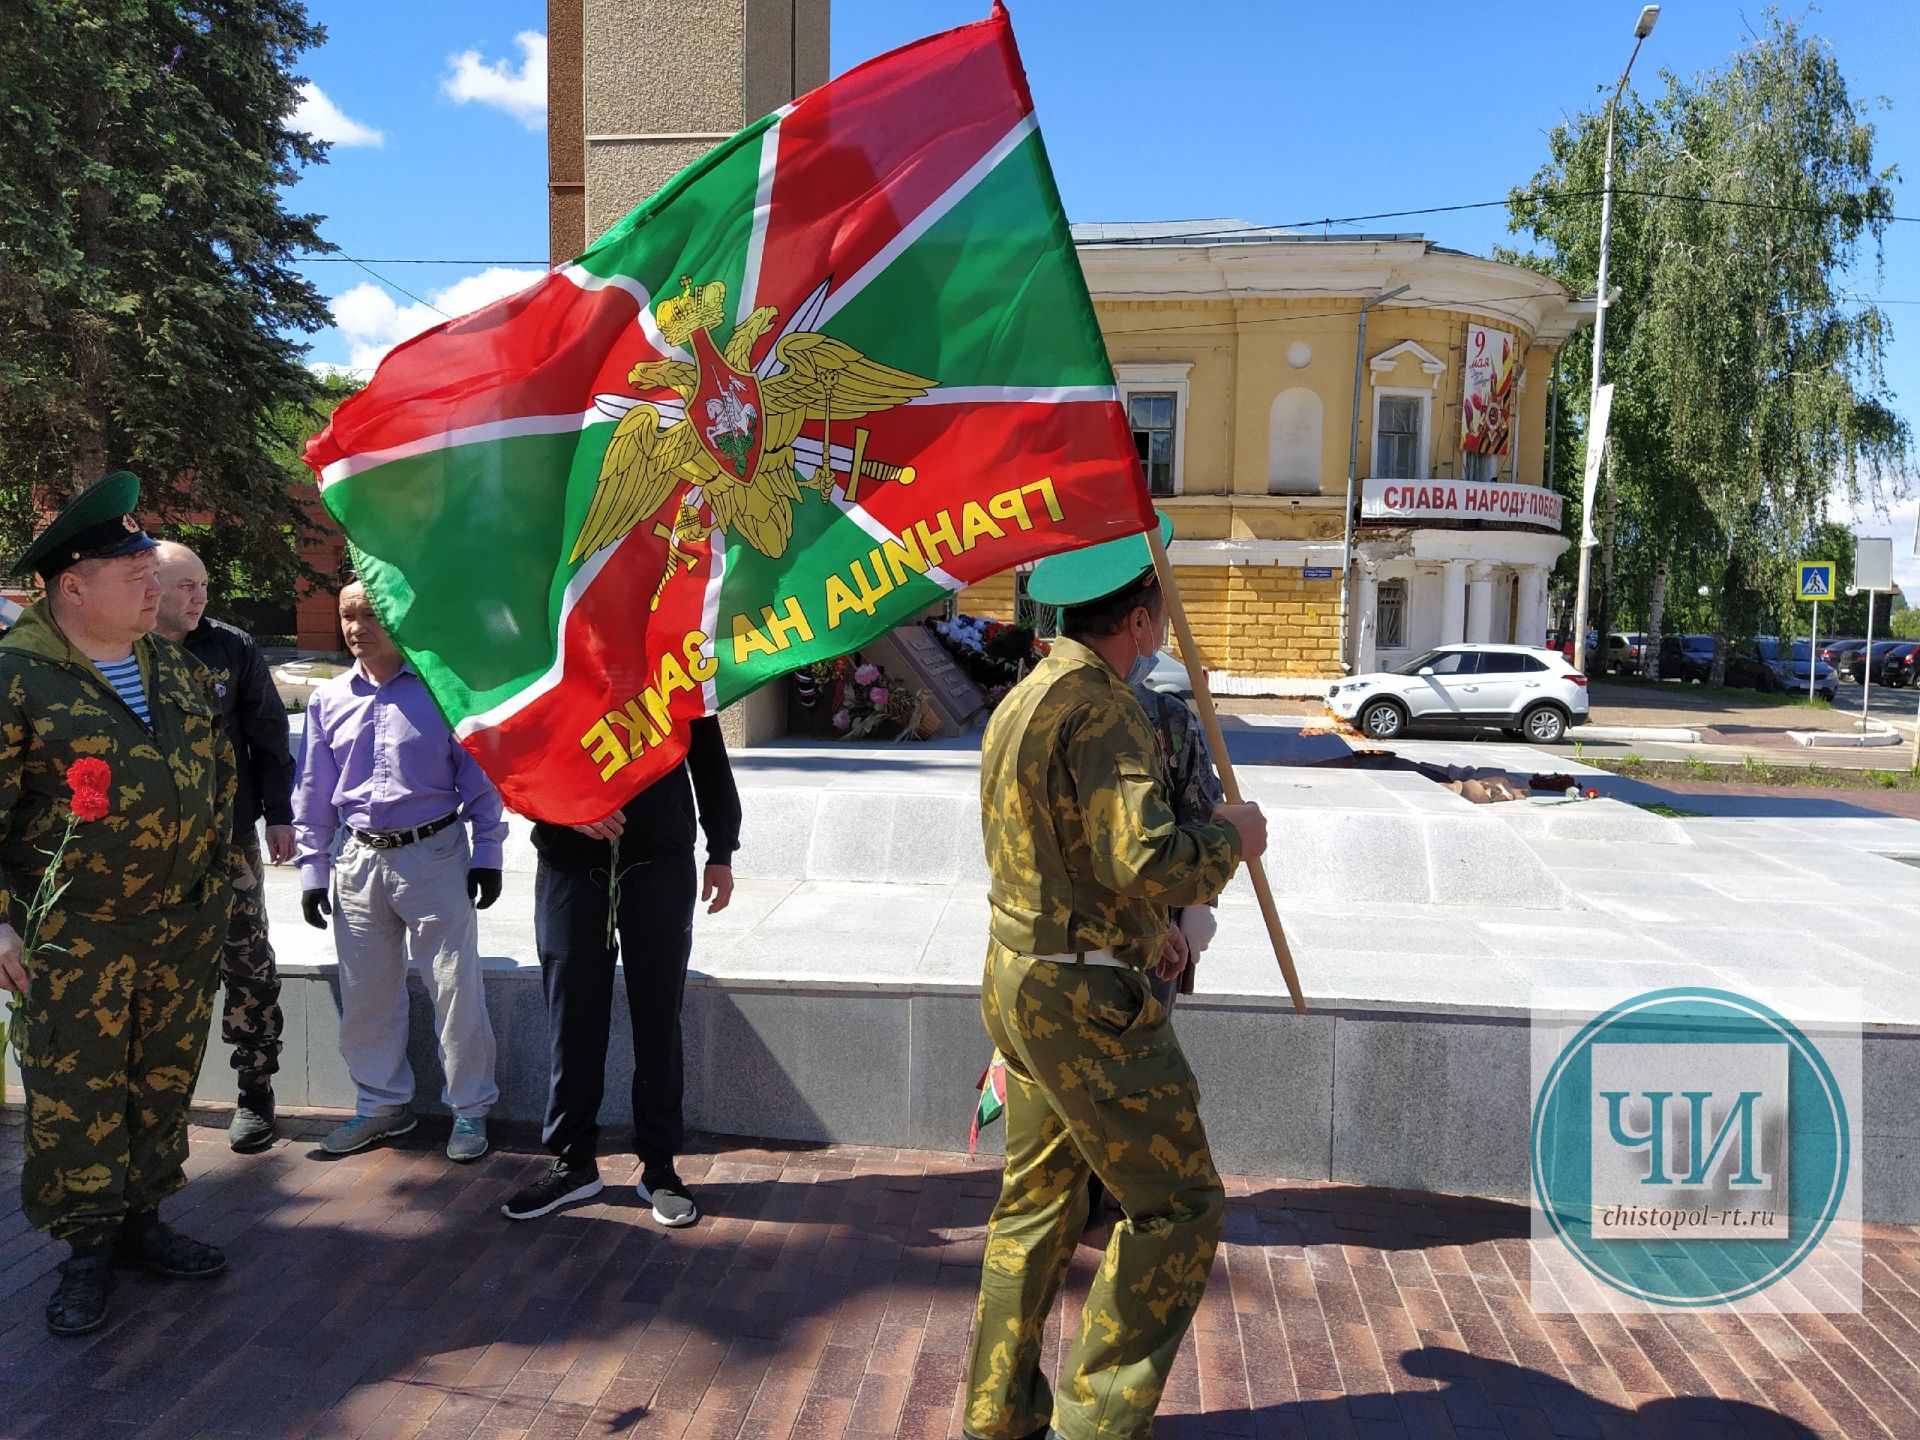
[1083,850]
[168,834]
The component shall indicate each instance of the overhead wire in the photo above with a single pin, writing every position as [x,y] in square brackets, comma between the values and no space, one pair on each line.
[1201,237]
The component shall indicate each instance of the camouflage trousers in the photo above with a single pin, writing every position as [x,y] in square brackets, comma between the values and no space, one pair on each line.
[116,1027]
[1096,1083]
[251,1022]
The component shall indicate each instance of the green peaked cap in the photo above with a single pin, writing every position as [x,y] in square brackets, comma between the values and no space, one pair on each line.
[1082,576]
[97,524]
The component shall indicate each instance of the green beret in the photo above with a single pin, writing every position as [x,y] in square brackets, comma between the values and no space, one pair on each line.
[97,524]
[1080,577]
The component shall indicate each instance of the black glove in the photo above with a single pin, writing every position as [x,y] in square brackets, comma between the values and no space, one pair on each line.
[483,886]
[313,904]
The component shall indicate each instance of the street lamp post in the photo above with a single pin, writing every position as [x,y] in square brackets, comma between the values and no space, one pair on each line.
[1648,16]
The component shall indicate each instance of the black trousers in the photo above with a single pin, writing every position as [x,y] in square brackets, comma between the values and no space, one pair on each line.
[655,939]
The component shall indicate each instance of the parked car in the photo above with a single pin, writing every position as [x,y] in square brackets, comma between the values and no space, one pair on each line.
[1562,640]
[1686,657]
[1901,665]
[1860,661]
[1789,671]
[1624,652]
[1835,652]
[1530,694]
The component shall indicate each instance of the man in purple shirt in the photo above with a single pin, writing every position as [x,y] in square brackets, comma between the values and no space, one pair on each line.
[379,760]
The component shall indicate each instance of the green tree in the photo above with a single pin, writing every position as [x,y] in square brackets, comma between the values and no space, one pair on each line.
[149,311]
[1749,389]
[1647,526]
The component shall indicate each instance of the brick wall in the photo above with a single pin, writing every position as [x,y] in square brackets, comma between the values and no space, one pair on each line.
[1263,619]
[1247,619]
[992,597]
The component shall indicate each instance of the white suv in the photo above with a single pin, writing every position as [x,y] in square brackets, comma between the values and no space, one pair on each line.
[1530,694]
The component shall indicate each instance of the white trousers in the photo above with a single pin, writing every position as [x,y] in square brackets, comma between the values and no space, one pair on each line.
[389,905]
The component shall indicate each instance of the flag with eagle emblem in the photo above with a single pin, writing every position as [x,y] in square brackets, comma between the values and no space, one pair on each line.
[839,368]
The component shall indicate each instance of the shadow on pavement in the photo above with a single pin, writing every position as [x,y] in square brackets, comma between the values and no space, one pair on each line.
[386,1288]
[1478,1396]
[1721,802]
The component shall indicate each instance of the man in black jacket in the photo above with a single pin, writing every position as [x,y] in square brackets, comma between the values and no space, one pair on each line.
[256,722]
[655,855]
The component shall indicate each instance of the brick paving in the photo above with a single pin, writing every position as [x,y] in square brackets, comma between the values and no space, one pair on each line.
[828,1292]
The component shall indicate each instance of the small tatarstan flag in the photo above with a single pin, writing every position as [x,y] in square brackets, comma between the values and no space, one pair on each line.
[838,369]
[993,1099]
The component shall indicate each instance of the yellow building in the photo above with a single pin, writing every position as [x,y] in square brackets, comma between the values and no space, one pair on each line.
[1235,348]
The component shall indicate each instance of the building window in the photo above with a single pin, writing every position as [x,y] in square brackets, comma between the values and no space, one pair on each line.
[1155,399]
[1399,437]
[1390,615]
[1043,620]
[1152,415]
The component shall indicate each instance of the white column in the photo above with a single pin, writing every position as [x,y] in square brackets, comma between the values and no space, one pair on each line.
[1480,604]
[1453,602]
[1367,618]
[1533,606]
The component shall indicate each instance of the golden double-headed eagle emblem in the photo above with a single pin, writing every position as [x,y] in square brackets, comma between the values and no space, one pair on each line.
[735,444]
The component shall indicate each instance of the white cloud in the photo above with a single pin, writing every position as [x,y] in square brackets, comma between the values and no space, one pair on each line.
[324,120]
[373,322]
[521,92]
[1896,517]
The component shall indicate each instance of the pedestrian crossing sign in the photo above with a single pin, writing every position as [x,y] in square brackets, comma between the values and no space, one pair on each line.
[1816,579]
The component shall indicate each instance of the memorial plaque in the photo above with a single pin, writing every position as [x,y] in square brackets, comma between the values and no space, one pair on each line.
[913,654]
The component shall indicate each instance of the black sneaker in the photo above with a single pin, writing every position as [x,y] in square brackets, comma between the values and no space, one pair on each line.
[78,1305]
[563,1184]
[662,1188]
[252,1126]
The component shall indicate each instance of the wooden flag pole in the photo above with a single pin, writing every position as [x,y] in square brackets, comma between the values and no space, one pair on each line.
[1210,721]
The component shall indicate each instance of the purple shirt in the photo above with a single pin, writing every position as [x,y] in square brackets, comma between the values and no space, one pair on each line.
[380,757]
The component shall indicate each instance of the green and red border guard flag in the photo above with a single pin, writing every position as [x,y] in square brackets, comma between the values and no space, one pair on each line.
[843,365]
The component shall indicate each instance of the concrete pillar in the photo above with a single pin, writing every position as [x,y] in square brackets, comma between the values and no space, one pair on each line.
[1480,604]
[1367,615]
[658,83]
[1531,628]
[1453,602]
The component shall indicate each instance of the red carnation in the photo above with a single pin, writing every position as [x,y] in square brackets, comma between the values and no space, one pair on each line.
[90,773]
[88,779]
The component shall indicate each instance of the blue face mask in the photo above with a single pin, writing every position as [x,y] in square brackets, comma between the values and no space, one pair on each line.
[1141,668]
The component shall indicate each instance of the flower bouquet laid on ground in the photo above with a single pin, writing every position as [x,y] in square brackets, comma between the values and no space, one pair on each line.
[88,780]
[870,702]
[991,653]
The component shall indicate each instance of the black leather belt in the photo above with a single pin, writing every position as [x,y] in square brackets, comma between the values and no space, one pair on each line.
[394,839]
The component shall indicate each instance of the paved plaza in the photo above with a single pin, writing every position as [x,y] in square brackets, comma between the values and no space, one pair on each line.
[828,1292]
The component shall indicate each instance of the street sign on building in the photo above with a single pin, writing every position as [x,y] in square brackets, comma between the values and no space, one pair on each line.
[1460,500]
[1816,579]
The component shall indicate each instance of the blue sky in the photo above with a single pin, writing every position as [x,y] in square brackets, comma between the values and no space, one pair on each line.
[1271,112]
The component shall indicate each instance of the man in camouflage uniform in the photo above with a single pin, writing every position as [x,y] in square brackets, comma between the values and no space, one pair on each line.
[255,720]
[118,994]
[1084,859]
